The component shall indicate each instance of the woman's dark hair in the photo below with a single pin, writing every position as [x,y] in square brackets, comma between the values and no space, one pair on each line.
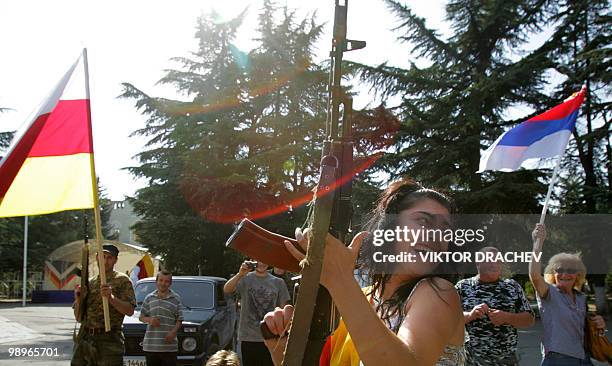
[399,195]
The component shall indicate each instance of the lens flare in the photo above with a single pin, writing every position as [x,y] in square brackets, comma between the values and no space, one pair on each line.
[218,206]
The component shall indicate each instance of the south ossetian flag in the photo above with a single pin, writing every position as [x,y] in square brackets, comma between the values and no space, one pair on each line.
[49,166]
[543,136]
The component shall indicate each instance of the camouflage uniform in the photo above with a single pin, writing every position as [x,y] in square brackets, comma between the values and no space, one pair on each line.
[93,346]
[491,345]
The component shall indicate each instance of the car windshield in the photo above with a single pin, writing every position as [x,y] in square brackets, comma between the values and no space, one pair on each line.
[194,294]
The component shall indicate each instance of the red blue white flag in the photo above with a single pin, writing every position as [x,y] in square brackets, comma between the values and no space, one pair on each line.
[543,136]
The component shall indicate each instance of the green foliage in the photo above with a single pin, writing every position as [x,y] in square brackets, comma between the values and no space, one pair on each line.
[247,141]
[11,247]
[582,55]
[5,140]
[5,137]
[530,290]
[457,105]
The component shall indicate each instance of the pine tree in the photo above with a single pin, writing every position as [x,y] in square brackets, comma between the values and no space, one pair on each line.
[178,132]
[457,105]
[245,144]
[582,56]
[5,141]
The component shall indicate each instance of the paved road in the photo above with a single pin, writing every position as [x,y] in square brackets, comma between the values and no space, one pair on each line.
[529,346]
[51,327]
[46,327]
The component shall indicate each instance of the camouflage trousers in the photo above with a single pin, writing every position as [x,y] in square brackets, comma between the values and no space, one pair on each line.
[104,349]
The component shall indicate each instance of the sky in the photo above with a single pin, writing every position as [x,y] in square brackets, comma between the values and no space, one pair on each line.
[133,41]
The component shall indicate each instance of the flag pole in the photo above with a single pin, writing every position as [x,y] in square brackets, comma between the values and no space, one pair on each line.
[94,186]
[25,261]
[538,242]
[550,188]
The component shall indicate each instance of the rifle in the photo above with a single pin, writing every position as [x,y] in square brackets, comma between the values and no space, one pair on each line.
[81,311]
[315,315]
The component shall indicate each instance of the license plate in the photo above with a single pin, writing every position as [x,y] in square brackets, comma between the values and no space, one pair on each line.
[134,361]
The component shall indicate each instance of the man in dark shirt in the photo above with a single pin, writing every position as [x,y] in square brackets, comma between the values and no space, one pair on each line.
[493,308]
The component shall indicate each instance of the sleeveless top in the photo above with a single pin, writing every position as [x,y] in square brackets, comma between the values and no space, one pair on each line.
[339,350]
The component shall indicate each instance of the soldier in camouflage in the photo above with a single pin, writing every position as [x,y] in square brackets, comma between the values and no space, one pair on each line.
[493,308]
[94,346]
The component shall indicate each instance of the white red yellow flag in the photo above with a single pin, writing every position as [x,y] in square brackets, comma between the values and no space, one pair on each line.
[49,166]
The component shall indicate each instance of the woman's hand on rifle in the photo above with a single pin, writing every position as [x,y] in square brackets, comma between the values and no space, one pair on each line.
[338,260]
[278,322]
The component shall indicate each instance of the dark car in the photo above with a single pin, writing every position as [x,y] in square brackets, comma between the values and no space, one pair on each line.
[209,320]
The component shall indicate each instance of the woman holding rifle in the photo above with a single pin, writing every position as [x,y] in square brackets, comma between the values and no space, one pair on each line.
[411,314]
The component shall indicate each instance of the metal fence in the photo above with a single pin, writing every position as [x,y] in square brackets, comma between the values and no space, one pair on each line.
[11,285]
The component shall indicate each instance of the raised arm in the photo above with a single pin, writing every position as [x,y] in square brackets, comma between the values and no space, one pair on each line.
[230,285]
[535,267]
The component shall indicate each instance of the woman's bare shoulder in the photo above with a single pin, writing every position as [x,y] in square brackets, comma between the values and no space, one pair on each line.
[438,288]
[435,303]
[443,284]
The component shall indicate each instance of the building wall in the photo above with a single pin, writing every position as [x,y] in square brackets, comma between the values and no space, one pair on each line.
[122,217]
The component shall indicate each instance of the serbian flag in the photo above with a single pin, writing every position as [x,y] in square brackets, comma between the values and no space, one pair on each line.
[49,165]
[543,136]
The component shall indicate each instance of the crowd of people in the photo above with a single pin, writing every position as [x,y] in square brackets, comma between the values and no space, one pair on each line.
[410,313]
